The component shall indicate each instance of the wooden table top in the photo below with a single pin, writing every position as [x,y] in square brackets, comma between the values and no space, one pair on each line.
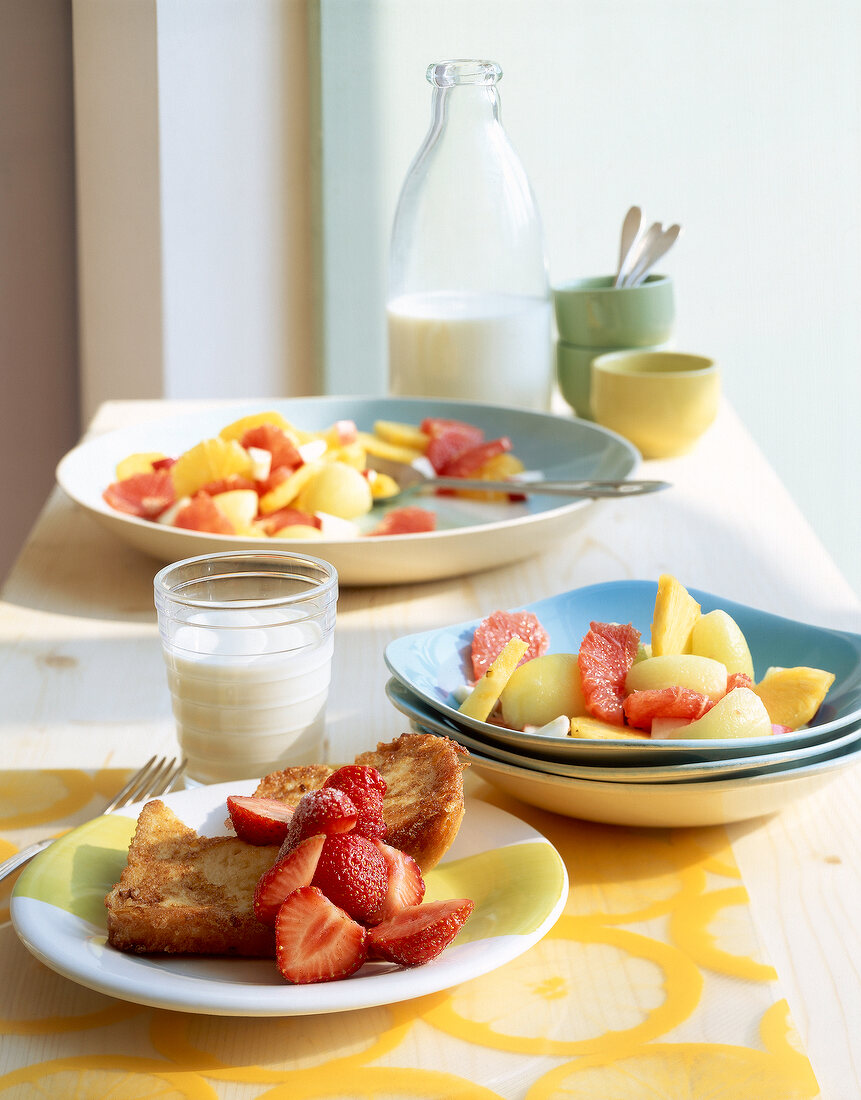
[82,680]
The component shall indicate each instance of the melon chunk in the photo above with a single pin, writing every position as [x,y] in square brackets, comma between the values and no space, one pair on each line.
[792,696]
[685,670]
[718,635]
[673,619]
[740,713]
[543,689]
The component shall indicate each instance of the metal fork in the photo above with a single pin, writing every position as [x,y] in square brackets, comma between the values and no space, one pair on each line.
[157,776]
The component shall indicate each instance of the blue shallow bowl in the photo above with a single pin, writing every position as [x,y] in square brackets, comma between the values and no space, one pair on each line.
[434,664]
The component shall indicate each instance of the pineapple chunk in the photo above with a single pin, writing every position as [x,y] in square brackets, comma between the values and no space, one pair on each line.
[351,454]
[210,460]
[675,613]
[298,531]
[240,507]
[594,728]
[793,695]
[137,464]
[499,468]
[383,449]
[401,435]
[238,428]
[483,697]
[718,635]
[383,486]
[288,490]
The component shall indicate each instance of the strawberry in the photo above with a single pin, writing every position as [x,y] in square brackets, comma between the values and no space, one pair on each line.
[365,787]
[419,933]
[315,941]
[406,885]
[296,869]
[259,820]
[353,875]
[326,811]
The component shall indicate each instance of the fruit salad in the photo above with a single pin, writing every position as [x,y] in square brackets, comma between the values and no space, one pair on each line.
[337,894]
[262,477]
[694,678]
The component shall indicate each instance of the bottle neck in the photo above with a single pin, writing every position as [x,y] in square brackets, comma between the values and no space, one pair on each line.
[463,108]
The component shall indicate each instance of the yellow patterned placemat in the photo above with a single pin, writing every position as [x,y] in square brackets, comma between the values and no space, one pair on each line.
[652,986]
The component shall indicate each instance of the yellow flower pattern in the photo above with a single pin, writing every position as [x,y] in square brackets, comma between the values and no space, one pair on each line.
[613,1003]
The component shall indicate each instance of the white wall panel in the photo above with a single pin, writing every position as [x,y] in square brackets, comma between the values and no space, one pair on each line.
[741,120]
[194,198]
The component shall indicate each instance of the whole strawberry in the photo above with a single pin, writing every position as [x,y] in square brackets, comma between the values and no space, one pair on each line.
[320,811]
[365,787]
[353,875]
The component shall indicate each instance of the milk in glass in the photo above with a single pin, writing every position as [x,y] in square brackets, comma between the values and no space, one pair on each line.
[249,689]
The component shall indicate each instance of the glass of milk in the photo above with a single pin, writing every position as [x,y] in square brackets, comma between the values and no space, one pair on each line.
[248,639]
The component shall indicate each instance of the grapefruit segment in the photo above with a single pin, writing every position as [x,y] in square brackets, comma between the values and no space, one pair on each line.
[145,495]
[642,707]
[606,655]
[274,440]
[406,521]
[493,632]
[203,514]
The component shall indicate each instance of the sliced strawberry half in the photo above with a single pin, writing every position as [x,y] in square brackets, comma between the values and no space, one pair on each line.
[325,810]
[406,885]
[289,873]
[419,933]
[259,820]
[353,875]
[315,941]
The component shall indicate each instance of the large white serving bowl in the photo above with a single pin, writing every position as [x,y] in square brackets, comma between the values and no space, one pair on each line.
[471,535]
[433,665]
[423,720]
[667,805]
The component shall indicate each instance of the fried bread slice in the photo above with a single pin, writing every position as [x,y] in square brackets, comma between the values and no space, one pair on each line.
[423,803]
[186,894]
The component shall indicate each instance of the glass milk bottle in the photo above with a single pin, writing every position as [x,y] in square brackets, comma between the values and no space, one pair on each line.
[469,313]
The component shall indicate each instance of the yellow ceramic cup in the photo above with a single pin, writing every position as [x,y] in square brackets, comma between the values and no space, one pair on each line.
[662,401]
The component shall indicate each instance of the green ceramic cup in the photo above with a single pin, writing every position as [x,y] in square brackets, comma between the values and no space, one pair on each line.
[574,375]
[593,313]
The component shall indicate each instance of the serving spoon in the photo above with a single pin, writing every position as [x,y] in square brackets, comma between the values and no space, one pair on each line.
[650,255]
[412,479]
[630,230]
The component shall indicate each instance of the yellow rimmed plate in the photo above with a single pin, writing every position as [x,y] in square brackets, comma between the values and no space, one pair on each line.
[513,874]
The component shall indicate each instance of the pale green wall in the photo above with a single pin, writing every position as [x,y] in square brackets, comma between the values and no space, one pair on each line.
[739,119]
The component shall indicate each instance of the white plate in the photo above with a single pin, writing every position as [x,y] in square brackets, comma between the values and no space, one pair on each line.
[513,874]
[471,535]
[424,720]
[666,805]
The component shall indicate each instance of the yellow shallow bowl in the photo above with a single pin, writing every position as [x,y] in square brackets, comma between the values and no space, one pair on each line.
[662,401]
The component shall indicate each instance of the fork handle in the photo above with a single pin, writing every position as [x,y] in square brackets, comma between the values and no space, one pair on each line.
[589,488]
[24,856]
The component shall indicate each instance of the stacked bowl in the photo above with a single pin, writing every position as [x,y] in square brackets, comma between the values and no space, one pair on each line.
[593,318]
[636,781]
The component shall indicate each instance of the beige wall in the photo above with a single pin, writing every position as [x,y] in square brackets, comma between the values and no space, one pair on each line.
[38,334]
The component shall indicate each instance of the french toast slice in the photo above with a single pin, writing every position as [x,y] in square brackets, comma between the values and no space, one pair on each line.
[423,803]
[181,893]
